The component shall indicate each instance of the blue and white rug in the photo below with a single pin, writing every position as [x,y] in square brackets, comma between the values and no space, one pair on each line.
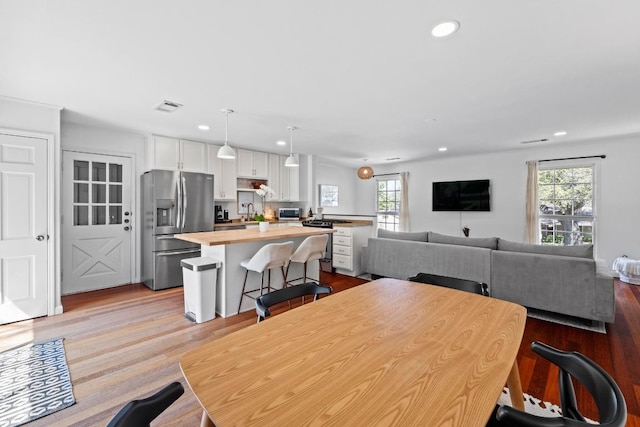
[34,382]
[535,406]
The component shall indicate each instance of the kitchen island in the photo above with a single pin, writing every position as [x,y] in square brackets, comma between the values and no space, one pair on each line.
[232,246]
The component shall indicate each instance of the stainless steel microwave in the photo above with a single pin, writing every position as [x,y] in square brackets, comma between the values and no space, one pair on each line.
[289,214]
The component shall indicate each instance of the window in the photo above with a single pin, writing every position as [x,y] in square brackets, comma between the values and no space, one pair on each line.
[565,196]
[97,193]
[388,206]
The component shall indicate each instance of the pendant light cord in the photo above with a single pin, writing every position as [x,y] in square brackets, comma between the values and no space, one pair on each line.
[291,129]
[226,128]
[291,145]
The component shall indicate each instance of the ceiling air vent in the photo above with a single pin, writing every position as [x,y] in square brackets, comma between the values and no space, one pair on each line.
[534,141]
[168,106]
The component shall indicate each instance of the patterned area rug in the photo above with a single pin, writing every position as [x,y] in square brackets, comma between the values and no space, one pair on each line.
[34,382]
[535,406]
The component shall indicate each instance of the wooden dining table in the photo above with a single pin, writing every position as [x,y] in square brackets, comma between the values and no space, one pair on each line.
[388,352]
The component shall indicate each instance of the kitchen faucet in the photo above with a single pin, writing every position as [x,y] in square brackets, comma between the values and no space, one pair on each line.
[249,207]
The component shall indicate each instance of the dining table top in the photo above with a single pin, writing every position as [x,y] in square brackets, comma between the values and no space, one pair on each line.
[388,352]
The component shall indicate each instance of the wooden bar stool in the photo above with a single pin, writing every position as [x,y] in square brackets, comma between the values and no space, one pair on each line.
[270,256]
[311,249]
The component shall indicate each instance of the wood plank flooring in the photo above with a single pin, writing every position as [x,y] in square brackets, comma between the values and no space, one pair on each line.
[124,343]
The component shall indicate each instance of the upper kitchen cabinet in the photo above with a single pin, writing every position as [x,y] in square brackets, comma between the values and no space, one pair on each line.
[178,154]
[252,164]
[224,173]
[289,182]
[274,177]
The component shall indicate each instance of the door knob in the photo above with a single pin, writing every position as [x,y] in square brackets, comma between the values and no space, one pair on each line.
[40,238]
[126,228]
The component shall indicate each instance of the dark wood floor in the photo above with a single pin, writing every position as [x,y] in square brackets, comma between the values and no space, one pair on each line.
[125,342]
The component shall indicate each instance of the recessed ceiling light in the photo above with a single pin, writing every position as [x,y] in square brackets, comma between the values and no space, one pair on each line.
[203,127]
[445,28]
[442,149]
[560,133]
[281,142]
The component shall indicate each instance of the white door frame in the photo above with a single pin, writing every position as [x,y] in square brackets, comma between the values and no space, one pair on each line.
[134,200]
[52,233]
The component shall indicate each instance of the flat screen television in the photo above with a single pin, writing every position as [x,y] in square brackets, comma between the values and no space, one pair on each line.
[462,196]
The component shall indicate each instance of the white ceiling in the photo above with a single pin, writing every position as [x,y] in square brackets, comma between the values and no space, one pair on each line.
[357,77]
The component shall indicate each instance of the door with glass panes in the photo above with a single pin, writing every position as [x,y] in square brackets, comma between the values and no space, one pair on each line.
[96,221]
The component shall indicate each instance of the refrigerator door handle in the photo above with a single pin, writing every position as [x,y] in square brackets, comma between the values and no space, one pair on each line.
[190,251]
[184,202]
[179,212]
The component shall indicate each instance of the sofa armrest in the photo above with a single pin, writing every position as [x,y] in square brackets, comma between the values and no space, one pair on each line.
[605,291]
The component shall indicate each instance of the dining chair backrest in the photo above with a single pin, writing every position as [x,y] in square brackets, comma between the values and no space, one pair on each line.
[606,394]
[266,301]
[271,255]
[452,282]
[311,248]
[140,413]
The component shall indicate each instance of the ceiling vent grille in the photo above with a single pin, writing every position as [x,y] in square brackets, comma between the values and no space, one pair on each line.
[168,106]
[534,141]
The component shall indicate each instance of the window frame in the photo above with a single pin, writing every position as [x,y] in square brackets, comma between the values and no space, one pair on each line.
[383,216]
[572,164]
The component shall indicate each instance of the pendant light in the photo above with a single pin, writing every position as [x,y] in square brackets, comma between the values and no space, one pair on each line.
[365,172]
[226,152]
[292,161]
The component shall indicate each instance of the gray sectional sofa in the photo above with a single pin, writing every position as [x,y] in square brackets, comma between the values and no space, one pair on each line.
[560,279]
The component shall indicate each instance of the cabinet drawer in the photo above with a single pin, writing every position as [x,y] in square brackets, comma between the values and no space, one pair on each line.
[342,261]
[342,241]
[342,231]
[342,250]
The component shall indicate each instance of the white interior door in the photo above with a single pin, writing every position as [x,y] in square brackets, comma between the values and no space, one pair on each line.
[96,221]
[23,228]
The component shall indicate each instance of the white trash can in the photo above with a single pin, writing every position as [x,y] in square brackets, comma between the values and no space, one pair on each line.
[199,279]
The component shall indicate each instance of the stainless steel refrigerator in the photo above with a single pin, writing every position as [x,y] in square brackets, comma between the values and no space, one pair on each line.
[172,202]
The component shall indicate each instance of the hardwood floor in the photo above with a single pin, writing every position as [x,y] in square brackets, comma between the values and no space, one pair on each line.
[124,343]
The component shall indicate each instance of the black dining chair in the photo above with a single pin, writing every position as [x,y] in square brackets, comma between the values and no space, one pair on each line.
[140,413]
[606,394]
[452,282]
[264,302]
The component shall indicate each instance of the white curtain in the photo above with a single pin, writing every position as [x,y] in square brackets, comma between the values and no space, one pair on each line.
[532,226]
[404,202]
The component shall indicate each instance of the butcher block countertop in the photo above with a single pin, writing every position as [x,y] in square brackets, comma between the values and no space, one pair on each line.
[227,237]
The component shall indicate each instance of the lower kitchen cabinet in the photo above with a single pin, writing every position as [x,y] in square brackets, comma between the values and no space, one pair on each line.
[347,249]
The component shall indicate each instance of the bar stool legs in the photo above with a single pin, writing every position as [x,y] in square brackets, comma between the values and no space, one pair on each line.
[268,288]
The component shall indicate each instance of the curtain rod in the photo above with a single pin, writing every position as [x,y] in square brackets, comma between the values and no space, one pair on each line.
[602,156]
[386,174]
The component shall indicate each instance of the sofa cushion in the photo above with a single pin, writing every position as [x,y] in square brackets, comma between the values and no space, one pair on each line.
[420,236]
[479,242]
[580,251]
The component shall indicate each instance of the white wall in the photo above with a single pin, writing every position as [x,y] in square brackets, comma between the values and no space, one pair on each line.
[35,117]
[324,172]
[618,198]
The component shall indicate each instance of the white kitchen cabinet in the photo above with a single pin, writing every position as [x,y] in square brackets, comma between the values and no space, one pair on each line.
[273,178]
[225,183]
[178,154]
[289,182]
[347,249]
[252,164]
